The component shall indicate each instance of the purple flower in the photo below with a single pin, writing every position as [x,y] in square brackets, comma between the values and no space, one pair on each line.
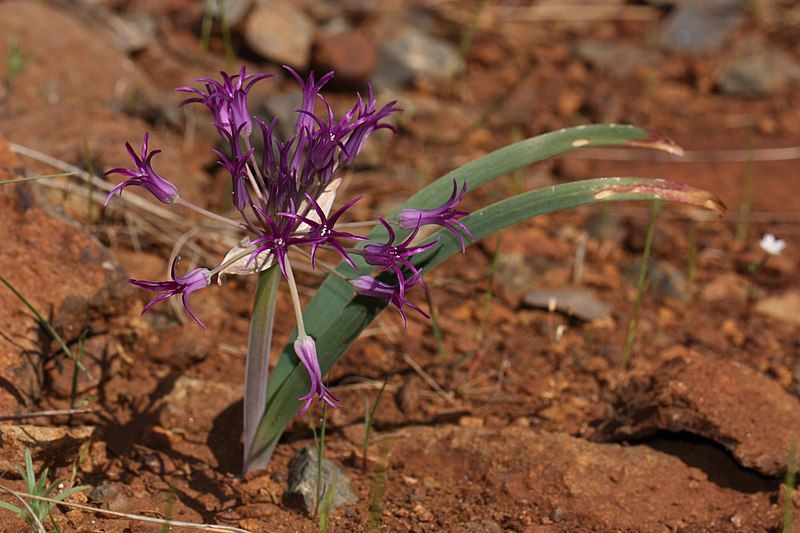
[227,100]
[236,165]
[183,285]
[277,241]
[310,89]
[323,232]
[368,120]
[445,216]
[369,286]
[392,256]
[306,351]
[144,175]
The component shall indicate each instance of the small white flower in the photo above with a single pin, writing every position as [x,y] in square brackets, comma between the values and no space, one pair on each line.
[771,245]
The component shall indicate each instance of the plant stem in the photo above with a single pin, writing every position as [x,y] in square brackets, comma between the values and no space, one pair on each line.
[691,266]
[320,458]
[370,418]
[210,214]
[637,304]
[45,324]
[437,330]
[298,308]
[747,187]
[73,391]
[487,300]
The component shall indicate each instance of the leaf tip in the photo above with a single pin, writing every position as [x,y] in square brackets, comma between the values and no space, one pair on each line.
[670,191]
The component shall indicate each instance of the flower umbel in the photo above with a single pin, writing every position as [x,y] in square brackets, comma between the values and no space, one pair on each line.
[284,195]
[183,285]
[444,215]
[144,175]
[306,351]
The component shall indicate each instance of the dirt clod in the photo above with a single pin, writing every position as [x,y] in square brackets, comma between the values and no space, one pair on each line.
[725,401]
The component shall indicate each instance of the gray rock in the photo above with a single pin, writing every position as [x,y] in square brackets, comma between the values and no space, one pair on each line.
[280,32]
[411,54]
[301,491]
[283,107]
[572,301]
[516,271]
[233,10]
[760,71]
[701,26]
[664,279]
[112,496]
[605,225]
[616,59]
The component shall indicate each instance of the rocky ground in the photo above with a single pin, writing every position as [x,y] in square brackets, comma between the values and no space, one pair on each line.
[522,419]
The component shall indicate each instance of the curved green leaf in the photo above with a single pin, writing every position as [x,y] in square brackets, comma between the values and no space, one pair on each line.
[344,326]
[333,294]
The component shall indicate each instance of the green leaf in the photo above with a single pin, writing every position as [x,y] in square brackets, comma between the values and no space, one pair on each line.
[14,509]
[334,293]
[257,363]
[70,492]
[30,475]
[345,326]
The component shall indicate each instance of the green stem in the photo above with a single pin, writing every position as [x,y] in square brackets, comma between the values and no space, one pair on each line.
[747,188]
[370,419]
[45,324]
[637,304]
[257,365]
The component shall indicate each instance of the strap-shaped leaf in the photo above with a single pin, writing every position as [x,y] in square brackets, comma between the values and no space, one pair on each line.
[333,294]
[344,326]
[257,363]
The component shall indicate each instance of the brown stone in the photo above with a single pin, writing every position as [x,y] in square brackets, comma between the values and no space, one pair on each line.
[278,31]
[55,445]
[351,55]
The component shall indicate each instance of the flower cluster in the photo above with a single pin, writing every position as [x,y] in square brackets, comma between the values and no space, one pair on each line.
[284,195]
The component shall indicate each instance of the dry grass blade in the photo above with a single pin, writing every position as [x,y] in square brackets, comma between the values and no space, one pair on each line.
[101,184]
[53,412]
[140,518]
[430,381]
[34,178]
